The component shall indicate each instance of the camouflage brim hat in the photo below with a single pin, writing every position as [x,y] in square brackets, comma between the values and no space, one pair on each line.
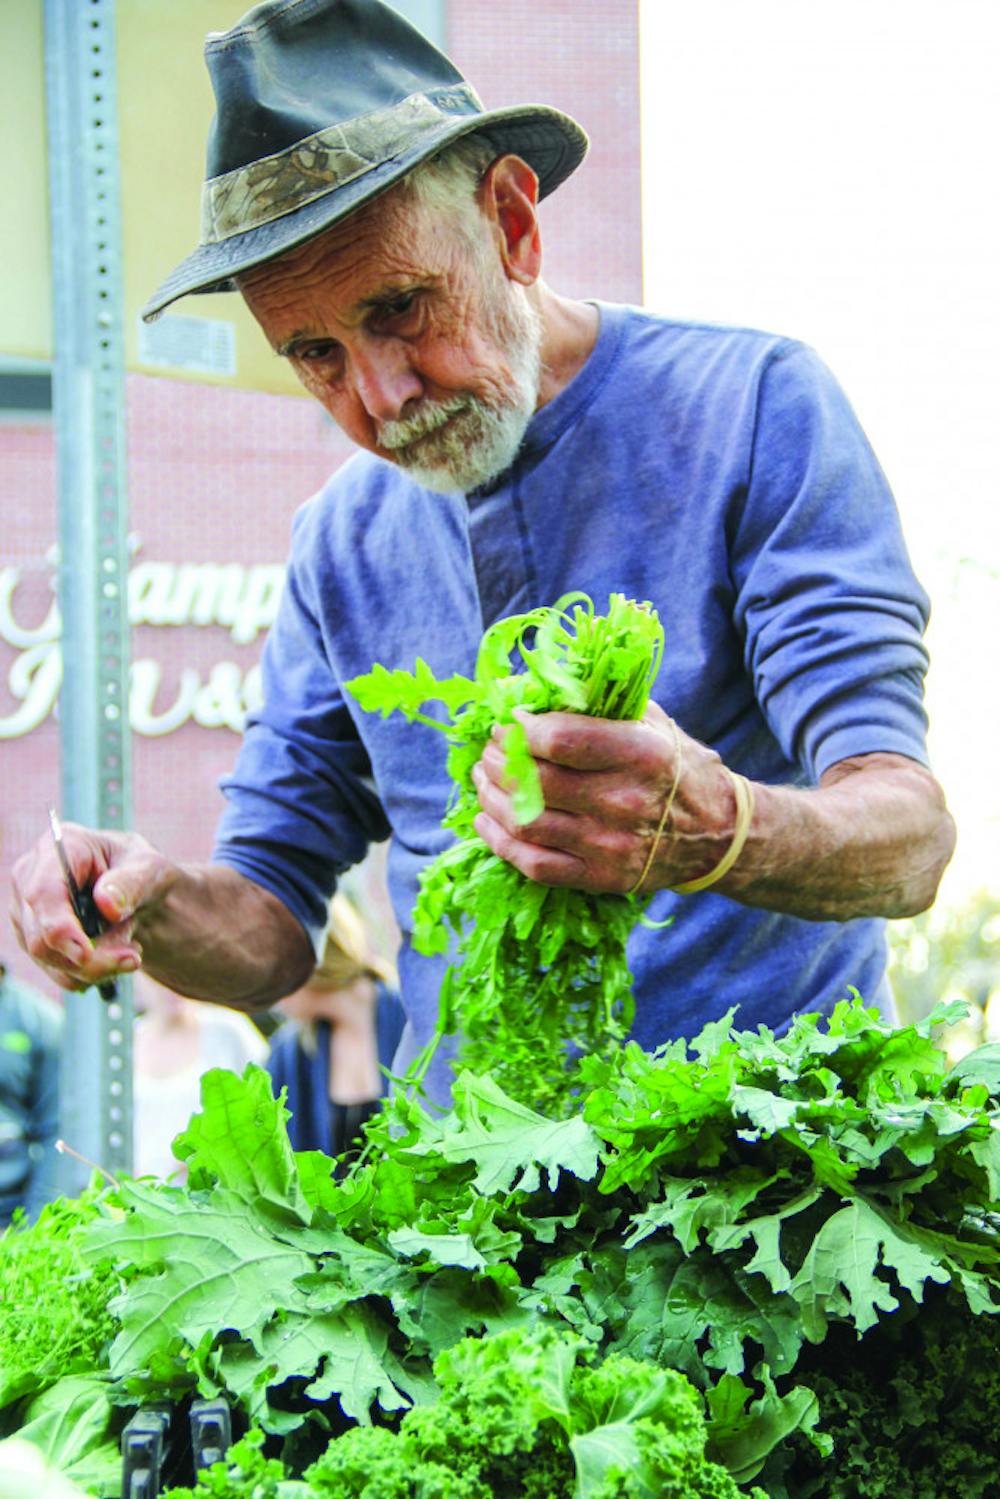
[320,106]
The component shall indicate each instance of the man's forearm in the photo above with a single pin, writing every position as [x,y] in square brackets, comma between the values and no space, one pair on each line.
[872,839]
[643,805]
[215,935]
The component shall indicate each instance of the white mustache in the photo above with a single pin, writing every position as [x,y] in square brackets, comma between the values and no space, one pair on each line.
[428,419]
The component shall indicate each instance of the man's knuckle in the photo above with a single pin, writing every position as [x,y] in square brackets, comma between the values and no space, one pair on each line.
[36,945]
[633,804]
[561,739]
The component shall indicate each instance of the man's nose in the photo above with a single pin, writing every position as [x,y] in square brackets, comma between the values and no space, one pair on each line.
[385,379]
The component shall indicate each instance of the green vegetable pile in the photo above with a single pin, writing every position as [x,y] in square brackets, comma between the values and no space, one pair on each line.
[55,1329]
[54,1317]
[804,1227]
[519,1413]
[745,1258]
[539,969]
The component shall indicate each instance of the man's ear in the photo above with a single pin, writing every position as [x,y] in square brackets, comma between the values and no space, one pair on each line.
[508,197]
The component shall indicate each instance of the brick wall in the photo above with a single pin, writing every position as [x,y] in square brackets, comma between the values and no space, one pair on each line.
[581,56]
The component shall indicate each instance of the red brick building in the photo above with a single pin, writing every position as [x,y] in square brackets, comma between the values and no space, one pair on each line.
[215,474]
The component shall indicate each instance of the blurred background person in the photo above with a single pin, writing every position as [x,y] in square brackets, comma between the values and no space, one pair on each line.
[30,1036]
[341,1028]
[175,1041]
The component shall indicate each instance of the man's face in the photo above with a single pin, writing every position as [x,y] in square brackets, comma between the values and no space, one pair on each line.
[407,330]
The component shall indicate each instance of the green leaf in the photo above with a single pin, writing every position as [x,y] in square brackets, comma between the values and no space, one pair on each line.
[239,1140]
[986,1153]
[357,1367]
[603,1455]
[695,1206]
[766,1233]
[520,766]
[69,1424]
[219,1265]
[979,1066]
[385,692]
[767,1111]
[447,1305]
[839,1274]
[509,1144]
[440,1249]
[740,1436]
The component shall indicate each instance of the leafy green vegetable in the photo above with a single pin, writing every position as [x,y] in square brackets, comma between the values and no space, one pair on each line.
[805,1226]
[522,1414]
[911,1416]
[244,1473]
[74,1426]
[539,969]
[54,1317]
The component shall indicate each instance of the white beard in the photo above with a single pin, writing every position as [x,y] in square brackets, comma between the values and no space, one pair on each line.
[456,445]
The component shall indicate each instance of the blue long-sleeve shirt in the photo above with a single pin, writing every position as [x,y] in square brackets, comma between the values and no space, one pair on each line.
[719,473]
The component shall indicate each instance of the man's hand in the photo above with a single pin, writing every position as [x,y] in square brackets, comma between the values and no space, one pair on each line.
[871,840]
[125,874]
[605,784]
[204,930]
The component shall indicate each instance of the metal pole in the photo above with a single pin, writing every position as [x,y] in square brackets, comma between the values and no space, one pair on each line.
[88,393]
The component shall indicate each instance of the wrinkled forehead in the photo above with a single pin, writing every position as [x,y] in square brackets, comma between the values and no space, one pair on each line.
[393,227]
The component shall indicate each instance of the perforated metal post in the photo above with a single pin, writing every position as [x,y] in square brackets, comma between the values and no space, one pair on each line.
[88,407]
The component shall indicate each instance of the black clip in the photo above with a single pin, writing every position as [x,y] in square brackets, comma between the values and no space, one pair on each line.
[145,1444]
[211,1432]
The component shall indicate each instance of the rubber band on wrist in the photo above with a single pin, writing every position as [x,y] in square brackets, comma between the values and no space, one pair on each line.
[664,815]
[744,817]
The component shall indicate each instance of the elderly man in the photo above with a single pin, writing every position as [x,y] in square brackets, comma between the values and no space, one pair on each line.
[383,229]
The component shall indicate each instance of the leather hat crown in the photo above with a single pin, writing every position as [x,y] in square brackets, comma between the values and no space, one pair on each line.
[320,106]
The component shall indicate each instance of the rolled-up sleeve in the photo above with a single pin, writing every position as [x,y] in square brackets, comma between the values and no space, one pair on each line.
[826,599]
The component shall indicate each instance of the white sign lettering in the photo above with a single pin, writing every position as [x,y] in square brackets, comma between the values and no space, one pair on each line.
[242,600]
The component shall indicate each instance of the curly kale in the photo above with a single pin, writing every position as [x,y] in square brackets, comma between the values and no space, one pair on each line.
[906,1412]
[244,1473]
[54,1317]
[523,1414]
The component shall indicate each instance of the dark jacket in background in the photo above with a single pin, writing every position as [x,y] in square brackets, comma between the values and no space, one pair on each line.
[316,1122]
[30,1039]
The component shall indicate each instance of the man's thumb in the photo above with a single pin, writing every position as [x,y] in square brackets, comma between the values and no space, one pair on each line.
[114,899]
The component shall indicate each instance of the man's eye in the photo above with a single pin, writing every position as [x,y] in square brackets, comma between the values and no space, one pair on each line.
[314,353]
[401,308]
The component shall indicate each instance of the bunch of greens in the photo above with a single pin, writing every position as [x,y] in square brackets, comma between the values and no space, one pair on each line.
[717,1210]
[805,1226]
[523,1414]
[907,1416]
[55,1331]
[315,1303]
[540,969]
[520,1413]
[54,1317]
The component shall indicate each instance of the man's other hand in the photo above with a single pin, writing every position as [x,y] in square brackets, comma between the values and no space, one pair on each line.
[124,874]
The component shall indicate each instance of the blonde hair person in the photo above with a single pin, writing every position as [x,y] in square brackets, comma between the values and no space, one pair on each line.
[342,1028]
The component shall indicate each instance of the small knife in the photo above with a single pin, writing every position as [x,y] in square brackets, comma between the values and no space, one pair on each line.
[83,903]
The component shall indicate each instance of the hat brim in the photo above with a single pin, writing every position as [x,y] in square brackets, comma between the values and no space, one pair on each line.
[550,142]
